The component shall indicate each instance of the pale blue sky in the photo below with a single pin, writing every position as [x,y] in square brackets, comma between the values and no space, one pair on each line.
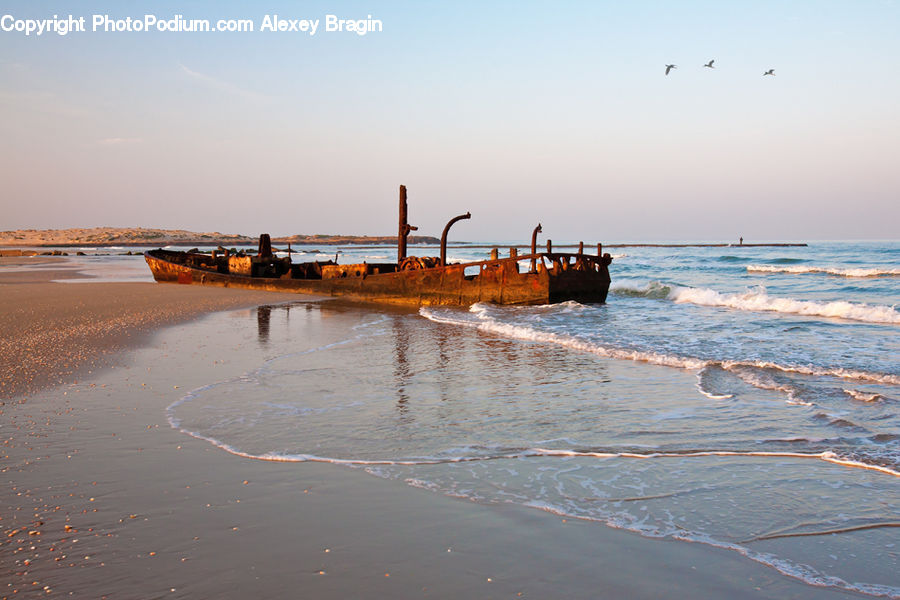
[516,111]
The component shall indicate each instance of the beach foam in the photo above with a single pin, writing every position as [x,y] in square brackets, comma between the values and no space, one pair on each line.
[758,300]
[840,272]
[479,318]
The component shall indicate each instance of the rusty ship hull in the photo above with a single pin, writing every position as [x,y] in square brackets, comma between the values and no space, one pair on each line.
[555,277]
[535,278]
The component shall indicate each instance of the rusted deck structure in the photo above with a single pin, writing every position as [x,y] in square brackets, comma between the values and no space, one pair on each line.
[534,278]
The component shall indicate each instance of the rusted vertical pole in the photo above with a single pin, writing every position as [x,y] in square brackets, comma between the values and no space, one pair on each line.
[549,246]
[444,236]
[404,227]
[536,231]
[580,247]
[495,253]
[514,252]
[600,250]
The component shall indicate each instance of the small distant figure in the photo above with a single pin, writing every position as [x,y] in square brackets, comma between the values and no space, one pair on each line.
[740,241]
[769,72]
[709,65]
[670,67]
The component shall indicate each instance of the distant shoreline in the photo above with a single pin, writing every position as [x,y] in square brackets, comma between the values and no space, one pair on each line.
[17,250]
[228,243]
[138,236]
[642,245]
[108,237]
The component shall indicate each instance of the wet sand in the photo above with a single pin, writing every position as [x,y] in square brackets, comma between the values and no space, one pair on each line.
[102,498]
[53,333]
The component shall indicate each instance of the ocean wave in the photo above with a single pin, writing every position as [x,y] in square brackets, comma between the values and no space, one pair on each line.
[655,290]
[479,318]
[863,396]
[838,372]
[845,272]
[756,299]
[762,379]
[788,261]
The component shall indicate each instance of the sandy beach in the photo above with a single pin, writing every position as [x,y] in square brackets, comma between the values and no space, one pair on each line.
[102,498]
[53,333]
[678,378]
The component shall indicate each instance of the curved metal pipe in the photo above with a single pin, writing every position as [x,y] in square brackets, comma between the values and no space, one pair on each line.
[444,236]
[536,231]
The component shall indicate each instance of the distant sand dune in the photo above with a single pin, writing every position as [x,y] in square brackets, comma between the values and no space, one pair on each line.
[139,236]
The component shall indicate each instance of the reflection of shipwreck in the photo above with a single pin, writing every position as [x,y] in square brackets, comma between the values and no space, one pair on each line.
[535,278]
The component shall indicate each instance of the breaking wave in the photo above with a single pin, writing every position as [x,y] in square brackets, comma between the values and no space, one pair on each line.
[479,318]
[858,272]
[757,299]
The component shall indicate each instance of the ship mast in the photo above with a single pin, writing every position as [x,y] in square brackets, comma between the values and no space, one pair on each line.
[405,227]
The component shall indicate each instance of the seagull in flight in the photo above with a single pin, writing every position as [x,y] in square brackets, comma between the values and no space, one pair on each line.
[669,68]
[769,72]
[710,64]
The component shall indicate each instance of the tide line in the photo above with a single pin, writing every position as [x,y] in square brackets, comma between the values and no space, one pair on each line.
[775,536]
[826,456]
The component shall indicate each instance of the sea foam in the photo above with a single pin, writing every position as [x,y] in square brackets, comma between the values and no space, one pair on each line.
[479,318]
[758,300]
[840,272]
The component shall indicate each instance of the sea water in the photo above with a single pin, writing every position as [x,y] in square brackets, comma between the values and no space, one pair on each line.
[742,397]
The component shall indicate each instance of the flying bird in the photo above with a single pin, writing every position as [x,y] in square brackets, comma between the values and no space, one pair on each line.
[769,72]
[669,68]
[710,64]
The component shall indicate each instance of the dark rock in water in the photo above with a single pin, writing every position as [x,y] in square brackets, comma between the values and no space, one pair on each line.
[80,253]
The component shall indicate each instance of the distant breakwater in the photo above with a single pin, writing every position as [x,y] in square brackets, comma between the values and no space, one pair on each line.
[642,245]
[362,245]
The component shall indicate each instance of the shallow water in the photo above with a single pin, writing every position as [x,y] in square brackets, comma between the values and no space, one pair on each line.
[767,432]
[741,397]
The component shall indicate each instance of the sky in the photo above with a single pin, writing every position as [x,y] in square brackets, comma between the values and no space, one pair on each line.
[520,112]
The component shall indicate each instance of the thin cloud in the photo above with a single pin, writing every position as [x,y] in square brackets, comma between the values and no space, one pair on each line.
[223,86]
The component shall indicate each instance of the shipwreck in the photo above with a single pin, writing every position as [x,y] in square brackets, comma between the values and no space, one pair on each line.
[543,277]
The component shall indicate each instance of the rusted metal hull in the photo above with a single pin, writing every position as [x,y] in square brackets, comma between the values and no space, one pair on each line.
[557,277]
